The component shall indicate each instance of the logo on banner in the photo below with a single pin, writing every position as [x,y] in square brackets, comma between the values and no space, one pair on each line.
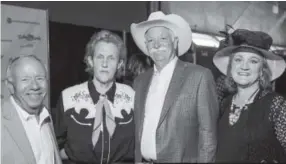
[6,40]
[29,45]
[10,21]
[29,37]
[25,32]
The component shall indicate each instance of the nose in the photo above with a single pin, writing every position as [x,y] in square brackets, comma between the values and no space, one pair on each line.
[157,44]
[245,66]
[104,63]
[35,85]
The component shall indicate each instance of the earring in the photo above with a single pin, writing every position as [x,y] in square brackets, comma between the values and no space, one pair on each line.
[260,79]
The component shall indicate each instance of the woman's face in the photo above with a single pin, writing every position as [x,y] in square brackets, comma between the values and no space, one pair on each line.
[246,68]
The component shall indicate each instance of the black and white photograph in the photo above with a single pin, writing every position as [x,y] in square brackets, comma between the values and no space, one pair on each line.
[103,82]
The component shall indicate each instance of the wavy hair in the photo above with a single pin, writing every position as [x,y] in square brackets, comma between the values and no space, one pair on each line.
[108,37]
[137,64]
[264,78]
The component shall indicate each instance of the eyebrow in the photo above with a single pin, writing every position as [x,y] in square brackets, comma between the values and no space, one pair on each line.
[25,76]
[254,57]
[100,54]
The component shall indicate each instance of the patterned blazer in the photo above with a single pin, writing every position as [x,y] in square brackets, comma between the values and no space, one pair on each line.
[187,126]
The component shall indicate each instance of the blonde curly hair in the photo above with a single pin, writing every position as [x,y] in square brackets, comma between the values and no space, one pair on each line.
[108,37]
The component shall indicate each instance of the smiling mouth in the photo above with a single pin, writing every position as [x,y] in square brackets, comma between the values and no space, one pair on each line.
[243,73]
[34,93]
[159,51]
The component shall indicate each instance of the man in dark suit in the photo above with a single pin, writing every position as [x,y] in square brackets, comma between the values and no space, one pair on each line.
[176,107]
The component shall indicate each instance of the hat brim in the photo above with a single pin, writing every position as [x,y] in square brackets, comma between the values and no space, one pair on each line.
[276,63]
[180,28]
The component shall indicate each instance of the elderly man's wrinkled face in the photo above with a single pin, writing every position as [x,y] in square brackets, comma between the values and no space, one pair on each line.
[28,84]
[246,68]
[105,61]
[161,44]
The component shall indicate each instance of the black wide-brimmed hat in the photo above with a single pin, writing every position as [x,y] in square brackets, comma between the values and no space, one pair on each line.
[256,40]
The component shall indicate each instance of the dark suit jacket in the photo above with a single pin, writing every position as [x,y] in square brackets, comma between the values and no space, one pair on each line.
[187,129]
[16,148]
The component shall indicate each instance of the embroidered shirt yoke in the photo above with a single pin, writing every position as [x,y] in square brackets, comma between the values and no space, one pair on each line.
[74,124]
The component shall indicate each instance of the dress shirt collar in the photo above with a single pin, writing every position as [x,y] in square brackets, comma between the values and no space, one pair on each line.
[169,68]
[44,114]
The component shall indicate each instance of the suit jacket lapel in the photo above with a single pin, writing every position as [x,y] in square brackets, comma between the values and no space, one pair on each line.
[143,95]
[174,89]
[16,129]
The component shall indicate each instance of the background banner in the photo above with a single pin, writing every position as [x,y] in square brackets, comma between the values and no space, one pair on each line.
[24,31]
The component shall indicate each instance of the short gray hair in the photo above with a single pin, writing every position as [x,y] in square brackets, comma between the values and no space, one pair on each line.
[13,60]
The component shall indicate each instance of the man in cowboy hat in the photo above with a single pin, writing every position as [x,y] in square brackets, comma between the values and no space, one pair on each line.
[176,106]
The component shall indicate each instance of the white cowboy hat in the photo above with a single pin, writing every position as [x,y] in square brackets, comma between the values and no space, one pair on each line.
[276,63]
[174,22]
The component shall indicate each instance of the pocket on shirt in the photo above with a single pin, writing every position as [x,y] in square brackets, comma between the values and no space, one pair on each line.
[79,129]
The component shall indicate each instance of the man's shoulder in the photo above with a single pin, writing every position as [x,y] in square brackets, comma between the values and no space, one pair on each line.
[194,69]
[5,103]
[6,108]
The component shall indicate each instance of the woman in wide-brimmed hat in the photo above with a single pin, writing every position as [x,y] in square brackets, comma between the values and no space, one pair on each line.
[252,127]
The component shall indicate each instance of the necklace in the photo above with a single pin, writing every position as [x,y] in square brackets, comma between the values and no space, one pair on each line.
[235,110]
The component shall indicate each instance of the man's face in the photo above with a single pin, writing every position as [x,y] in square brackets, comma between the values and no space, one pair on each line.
[105,61]
[160,44]
[29,83]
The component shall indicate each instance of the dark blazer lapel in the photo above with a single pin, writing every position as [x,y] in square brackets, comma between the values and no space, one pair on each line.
[14,126]
[174,89]
[142,97]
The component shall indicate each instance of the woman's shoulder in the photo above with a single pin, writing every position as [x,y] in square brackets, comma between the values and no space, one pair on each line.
[269,96]
[275,103]
[275,97]
[278,103]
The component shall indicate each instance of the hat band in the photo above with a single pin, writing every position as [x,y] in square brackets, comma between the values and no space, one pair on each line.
[248,49]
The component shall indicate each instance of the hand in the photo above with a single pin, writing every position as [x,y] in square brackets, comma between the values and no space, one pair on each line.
[63,154]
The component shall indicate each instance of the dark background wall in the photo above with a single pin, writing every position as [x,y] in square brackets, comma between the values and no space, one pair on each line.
[67,49]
